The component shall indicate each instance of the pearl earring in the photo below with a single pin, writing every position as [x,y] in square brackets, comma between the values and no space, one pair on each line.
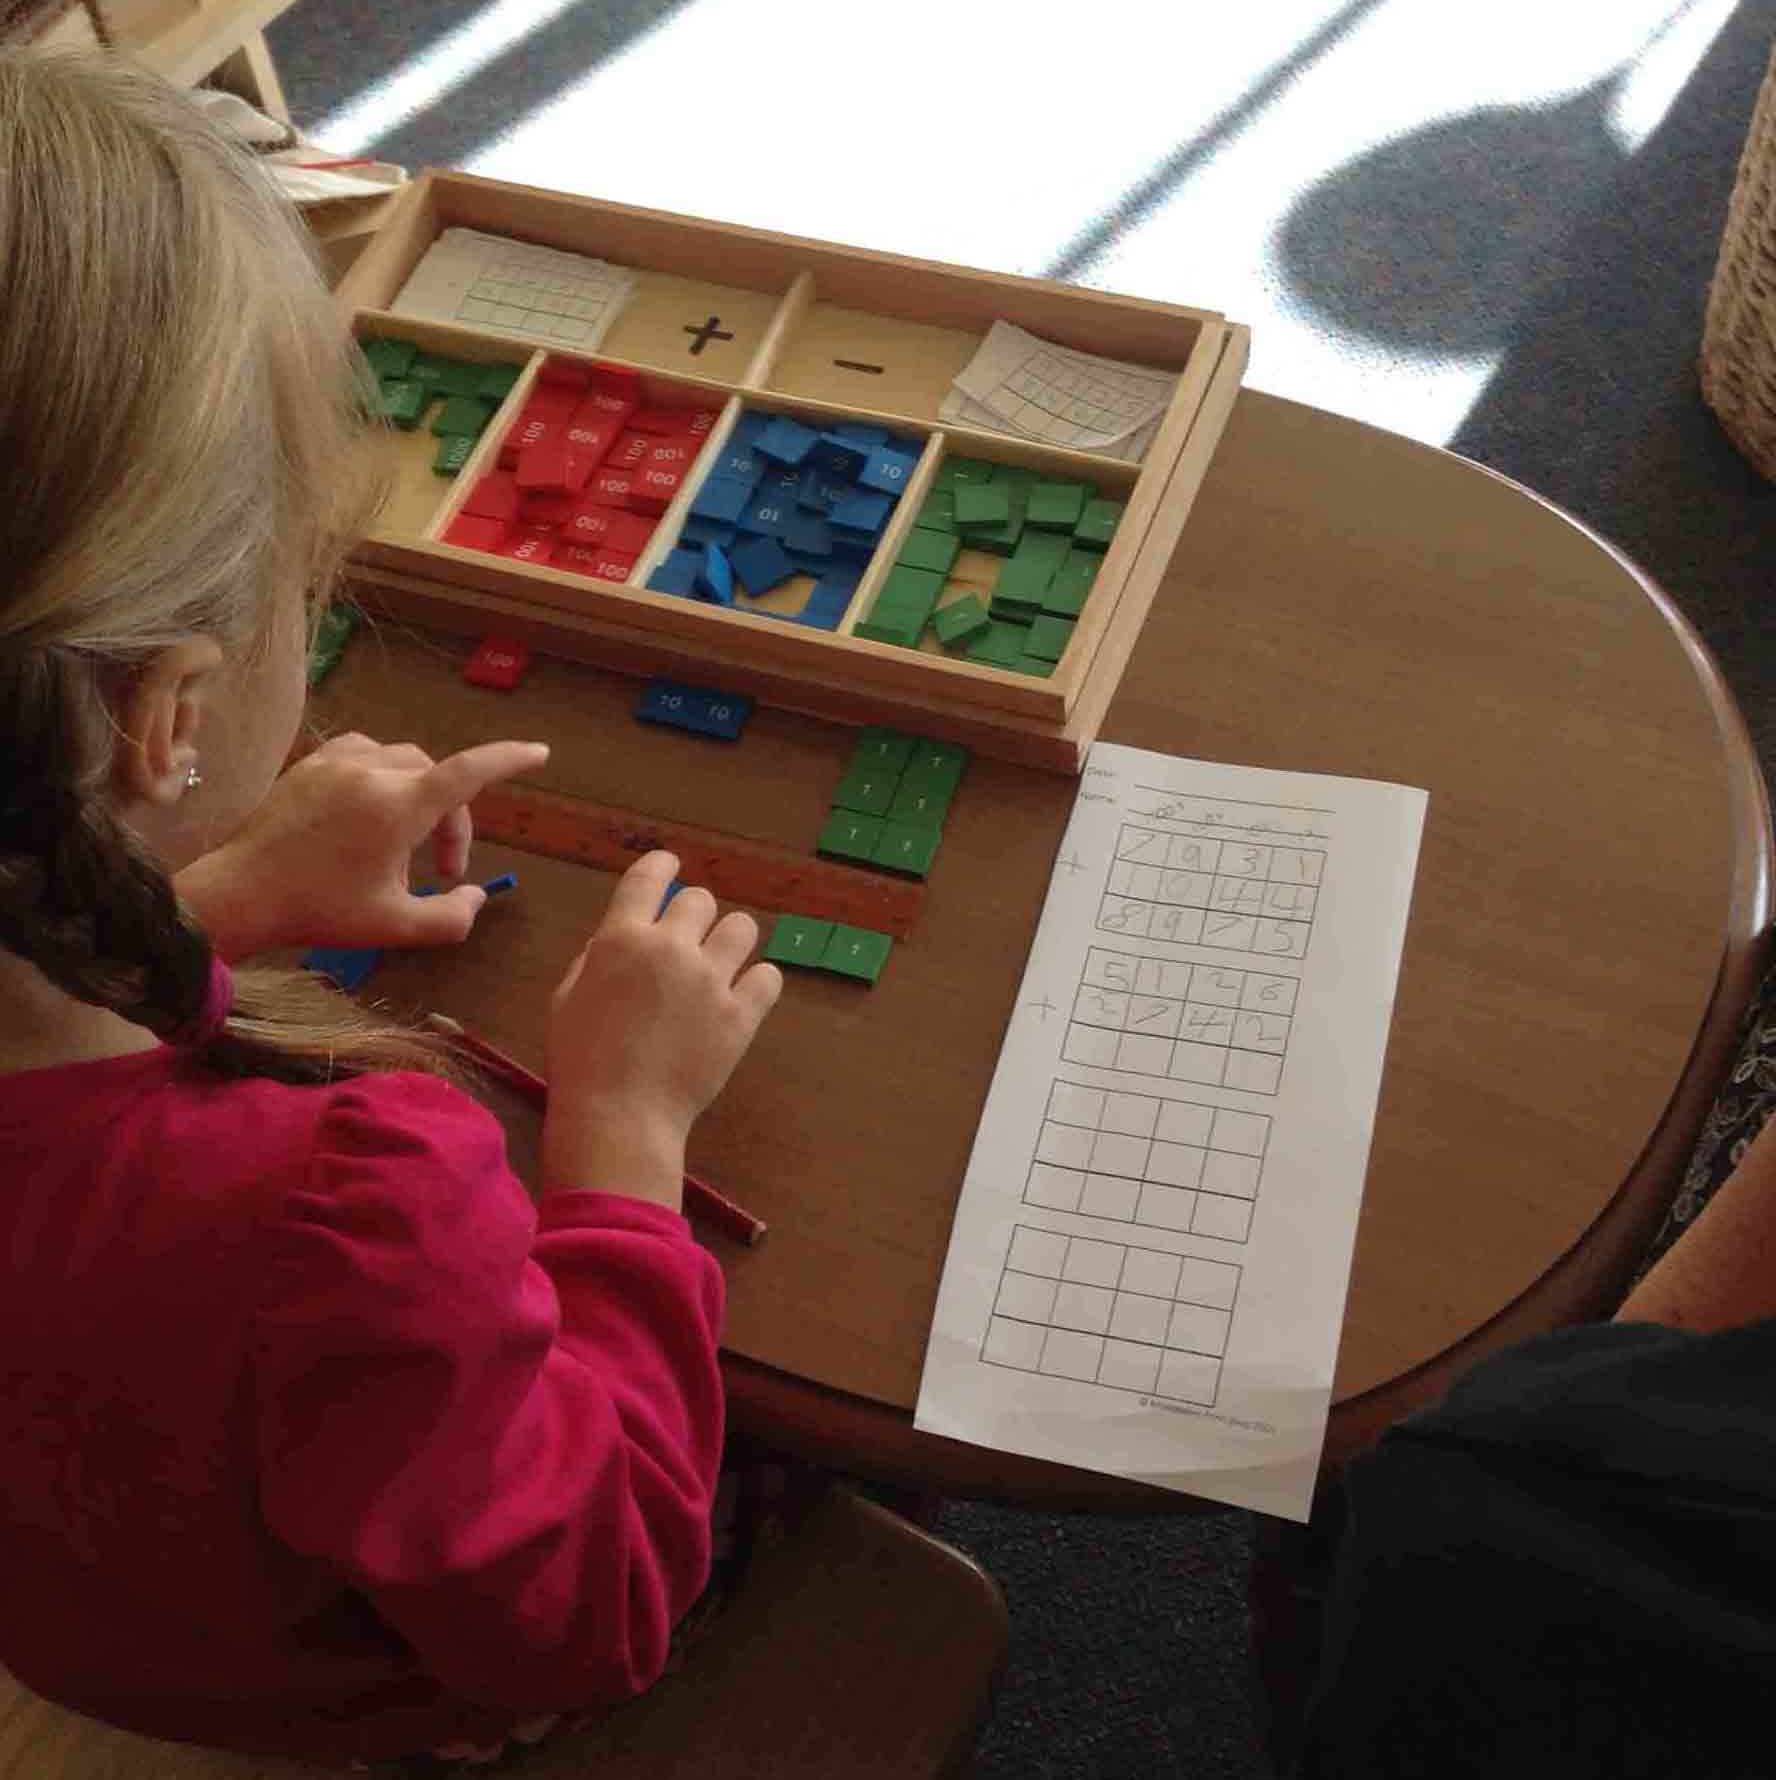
[193,778]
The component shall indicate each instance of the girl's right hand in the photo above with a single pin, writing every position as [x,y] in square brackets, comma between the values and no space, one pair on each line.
[644,1031]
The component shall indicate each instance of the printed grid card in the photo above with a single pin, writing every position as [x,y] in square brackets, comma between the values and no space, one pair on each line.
[1149,1262]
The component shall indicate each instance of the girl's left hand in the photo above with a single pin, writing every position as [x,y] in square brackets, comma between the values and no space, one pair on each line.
[323,860]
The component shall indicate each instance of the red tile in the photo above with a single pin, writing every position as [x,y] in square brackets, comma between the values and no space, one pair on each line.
[611,488]
[499,662]
[547,511]
[630,451]
[529,544]
[564,373]
[495,496]
[660,420]
[590,559]
[471,532]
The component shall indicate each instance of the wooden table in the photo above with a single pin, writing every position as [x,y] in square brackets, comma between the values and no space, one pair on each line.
[1584,936]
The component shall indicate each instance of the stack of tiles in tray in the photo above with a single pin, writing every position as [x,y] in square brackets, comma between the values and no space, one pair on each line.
[584,473]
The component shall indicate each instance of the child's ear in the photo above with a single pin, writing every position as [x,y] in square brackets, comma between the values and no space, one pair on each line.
[157,718]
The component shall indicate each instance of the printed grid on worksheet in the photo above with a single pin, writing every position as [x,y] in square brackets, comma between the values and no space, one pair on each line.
[1047,397]
[1140,1159]
[1203,1023]
[1233,895]
[1138,1319]
[546,295]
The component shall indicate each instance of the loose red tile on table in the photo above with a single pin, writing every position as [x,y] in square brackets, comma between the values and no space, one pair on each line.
[499,663]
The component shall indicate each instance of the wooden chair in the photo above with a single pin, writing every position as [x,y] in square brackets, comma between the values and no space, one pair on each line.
[860,1646]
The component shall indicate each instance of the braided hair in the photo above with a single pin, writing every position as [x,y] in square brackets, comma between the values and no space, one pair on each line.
[183,443]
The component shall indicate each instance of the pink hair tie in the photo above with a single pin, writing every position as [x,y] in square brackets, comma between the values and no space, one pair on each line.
[218,1003]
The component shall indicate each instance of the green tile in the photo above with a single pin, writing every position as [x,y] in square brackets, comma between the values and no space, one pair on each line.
[1016,480]
[1022,581]
[462,416]
[445,376]
[921,802]
[960,620]
[1066,598]
[453,452]
[1041,552]
[404,401]
[1033,665]
[856,952]
[979,504]
[496,381]
[911,589]
[798,939]
[936,764]
[902,636]
[1049,638]
[848,835]
[924,549]
[954,471]
[866,791]
[1057,506]
[1014,609]
[1097,524]
[390,358]
[999,645]
[882,751]
[907,846]
[332,634]
[1001,538]
[939,512]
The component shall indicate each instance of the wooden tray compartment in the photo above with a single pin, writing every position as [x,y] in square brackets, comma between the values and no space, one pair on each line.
[795,309]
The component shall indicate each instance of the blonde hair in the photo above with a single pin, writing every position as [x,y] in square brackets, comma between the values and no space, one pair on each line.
[183,442]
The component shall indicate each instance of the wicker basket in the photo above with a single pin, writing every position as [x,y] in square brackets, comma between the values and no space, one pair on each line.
[1739,334]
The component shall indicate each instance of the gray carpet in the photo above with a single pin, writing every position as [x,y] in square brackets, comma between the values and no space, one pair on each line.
[1520,233]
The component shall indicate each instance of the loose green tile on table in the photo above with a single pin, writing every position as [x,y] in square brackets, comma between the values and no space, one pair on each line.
[798,939]
[907,846]
[921,803]
[882,751]
[866,790]
[936,766]
[856,952]
[848,835]
[332,634]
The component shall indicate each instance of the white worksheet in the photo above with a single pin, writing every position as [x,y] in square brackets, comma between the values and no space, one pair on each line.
[1148,1267]
[1021,384]
[514,288]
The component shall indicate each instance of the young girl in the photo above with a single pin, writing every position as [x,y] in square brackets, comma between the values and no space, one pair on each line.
[318,1438]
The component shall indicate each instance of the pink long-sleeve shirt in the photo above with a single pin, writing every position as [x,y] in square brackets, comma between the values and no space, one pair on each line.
[317,1437]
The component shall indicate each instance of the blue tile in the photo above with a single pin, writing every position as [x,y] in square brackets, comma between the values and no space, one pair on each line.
[723,499]
[786,440]
[344,968]
[865,511]
[808,534]
[761,565]
[678,573]
[715,579]
[888,471]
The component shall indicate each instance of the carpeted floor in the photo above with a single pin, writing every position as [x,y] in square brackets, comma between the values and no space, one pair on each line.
[1487,227]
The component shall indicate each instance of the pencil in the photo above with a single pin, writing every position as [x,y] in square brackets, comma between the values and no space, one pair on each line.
[701,1199]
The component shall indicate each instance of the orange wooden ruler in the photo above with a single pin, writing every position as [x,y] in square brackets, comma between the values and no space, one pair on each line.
[736,870]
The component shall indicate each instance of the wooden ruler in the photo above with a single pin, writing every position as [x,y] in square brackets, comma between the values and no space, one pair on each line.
[736,870]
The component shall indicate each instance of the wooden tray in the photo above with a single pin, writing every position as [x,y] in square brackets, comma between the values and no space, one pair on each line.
[822,333]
